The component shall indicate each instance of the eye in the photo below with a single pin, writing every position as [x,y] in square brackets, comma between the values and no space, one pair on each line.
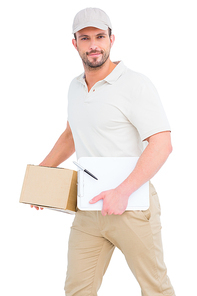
[101,37]
[84,38]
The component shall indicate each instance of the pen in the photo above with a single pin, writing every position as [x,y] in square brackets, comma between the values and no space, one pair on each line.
[86,171]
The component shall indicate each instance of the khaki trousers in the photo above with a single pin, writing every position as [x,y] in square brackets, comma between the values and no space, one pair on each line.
[137,234]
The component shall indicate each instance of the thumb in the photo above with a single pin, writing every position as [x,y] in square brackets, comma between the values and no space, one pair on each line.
[96,198]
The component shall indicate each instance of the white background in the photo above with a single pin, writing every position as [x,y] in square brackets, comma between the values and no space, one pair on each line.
[37,63]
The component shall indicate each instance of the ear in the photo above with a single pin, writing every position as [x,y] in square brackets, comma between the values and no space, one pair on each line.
[74,42]
[112,40]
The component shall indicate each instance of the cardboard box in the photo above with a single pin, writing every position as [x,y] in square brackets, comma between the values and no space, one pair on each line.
[49,187]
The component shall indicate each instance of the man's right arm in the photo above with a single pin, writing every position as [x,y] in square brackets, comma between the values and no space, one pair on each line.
[62,150]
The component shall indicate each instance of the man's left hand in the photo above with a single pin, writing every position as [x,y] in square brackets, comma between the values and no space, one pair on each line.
[113,202]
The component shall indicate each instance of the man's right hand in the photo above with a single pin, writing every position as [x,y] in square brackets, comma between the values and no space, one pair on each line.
[37,208]
[62,150]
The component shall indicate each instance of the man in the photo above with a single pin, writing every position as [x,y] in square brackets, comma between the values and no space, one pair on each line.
[112,111]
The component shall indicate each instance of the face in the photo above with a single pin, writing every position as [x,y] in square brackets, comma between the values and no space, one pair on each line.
[93,46]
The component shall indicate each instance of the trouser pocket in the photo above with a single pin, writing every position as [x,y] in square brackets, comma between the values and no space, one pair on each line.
[146,214]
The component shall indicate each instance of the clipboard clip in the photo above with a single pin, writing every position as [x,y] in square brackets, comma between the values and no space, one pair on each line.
[80,183]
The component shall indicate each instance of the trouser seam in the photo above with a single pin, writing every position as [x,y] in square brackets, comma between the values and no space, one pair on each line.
[93,282]
[157,274]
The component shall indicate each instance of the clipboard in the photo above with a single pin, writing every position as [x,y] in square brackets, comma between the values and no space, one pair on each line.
[111,172]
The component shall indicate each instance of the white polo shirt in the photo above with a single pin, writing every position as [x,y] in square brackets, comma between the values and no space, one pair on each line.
[116,115]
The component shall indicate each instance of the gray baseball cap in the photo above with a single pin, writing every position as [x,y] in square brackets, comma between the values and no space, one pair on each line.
[91,17]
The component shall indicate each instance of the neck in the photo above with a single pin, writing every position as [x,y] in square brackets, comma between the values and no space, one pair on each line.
[92,76]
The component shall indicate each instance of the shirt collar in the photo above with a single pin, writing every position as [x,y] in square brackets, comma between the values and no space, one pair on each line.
[112,77]
[116,73]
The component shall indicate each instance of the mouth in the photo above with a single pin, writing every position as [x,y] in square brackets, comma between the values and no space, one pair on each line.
[94,54]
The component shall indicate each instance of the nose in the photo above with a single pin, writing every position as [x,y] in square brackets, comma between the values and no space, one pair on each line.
[93,45]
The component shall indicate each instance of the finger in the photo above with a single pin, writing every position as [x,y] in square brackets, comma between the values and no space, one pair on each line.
[104,213]
[96,198]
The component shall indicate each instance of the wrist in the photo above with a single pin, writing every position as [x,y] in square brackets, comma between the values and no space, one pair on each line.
[46,164]
[124,190]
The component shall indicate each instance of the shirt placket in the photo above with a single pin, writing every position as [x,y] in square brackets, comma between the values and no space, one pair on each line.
[93,91]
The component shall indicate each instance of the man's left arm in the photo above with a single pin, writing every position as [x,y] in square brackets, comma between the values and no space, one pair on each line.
[152,159]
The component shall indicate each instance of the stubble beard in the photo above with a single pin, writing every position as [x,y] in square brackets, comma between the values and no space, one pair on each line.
[96,62]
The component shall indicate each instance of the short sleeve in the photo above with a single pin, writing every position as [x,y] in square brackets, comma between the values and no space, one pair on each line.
[146,111]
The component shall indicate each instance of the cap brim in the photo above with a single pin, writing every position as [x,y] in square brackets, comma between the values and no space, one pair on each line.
[97,25]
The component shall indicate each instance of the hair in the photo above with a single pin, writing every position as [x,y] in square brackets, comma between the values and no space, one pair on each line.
[109,31]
